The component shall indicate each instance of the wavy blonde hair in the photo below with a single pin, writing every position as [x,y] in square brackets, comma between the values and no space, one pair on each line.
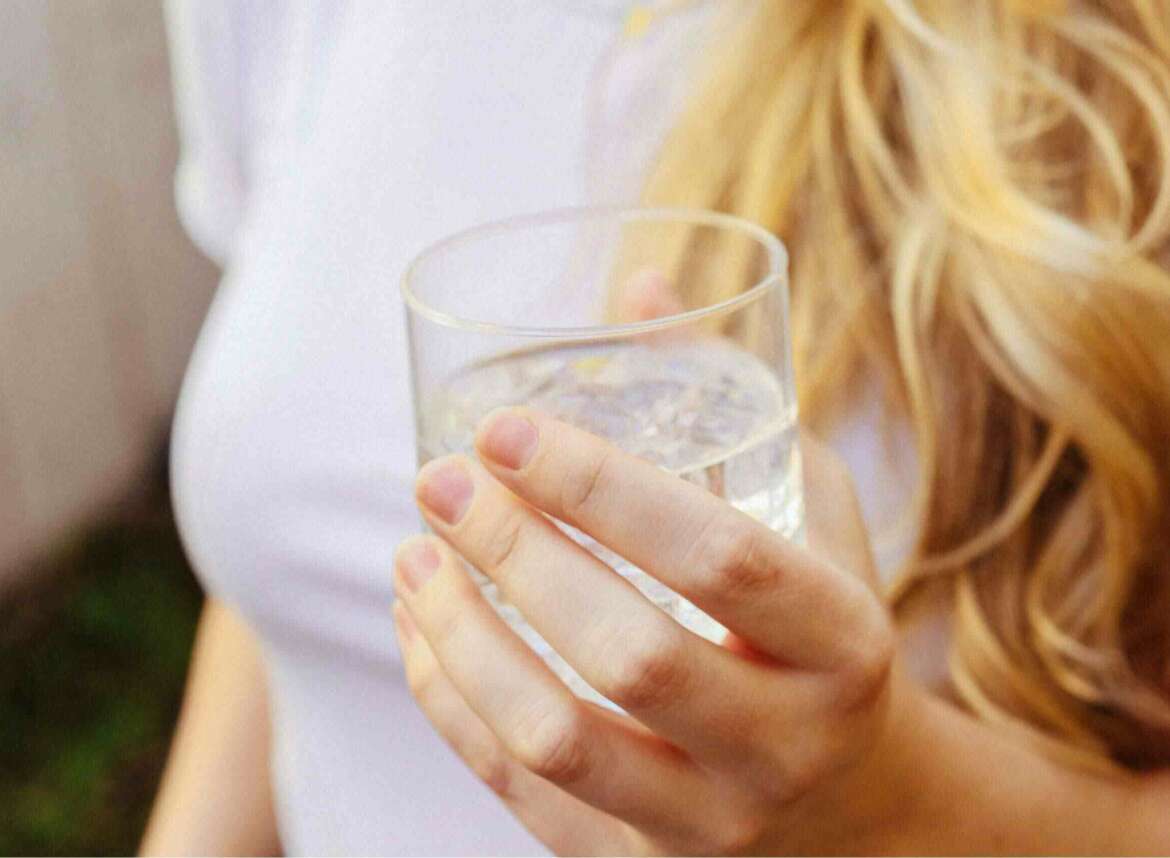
[976,198]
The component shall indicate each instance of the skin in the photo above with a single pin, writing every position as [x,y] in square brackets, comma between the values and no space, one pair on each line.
[215,797]
[799,734]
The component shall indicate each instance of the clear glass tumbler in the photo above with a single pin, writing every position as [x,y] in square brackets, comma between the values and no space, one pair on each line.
[664,331]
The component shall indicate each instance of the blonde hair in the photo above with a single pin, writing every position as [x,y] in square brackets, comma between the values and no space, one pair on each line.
[976,198]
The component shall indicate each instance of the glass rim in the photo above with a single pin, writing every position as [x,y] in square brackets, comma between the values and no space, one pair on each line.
[777,273]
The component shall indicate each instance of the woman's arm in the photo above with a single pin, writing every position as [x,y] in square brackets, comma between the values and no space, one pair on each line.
[215,797]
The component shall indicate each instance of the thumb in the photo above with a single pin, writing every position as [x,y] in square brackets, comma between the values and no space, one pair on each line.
[648,294]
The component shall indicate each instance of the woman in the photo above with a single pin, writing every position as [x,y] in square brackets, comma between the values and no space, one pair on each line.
[323,144]
[977,202]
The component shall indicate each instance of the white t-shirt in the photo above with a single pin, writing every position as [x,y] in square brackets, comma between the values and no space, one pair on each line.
[323,144]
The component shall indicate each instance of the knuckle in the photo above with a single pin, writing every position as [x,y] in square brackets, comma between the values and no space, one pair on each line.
[805,771]
[739,834]
[789,774]
[582,485]
[866,672]
[730,558]
[503,540]
[495,770]
[782,776]
[554,746]
[648,675]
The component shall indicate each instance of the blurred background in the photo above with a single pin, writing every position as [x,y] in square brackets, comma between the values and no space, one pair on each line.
[101,296]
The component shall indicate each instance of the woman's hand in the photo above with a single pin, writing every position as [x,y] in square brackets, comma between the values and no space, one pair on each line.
[780,740]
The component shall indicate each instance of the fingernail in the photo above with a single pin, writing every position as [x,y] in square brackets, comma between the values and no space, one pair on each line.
[509,440]
[444,487]
[416,562]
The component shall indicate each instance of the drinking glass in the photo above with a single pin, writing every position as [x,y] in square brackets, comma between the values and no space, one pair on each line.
[662,330]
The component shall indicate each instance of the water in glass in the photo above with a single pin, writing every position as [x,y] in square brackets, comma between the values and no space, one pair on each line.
[705,410]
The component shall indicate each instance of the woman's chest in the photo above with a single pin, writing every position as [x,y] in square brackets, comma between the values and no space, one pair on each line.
[294,441]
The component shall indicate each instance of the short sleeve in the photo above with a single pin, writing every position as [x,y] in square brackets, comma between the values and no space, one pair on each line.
[210,187]
[246,75]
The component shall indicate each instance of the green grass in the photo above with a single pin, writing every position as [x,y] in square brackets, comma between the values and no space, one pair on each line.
[92,664]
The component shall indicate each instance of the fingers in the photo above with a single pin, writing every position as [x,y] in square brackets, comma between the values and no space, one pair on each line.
[772,593]
[623,646]
[567,825]
[605,762]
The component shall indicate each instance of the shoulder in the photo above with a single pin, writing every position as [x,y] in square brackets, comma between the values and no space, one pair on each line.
[241,71]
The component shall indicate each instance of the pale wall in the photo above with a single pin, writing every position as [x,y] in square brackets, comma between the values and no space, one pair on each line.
[100,293]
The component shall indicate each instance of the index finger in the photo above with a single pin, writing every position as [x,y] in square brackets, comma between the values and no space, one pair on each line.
[767,590]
